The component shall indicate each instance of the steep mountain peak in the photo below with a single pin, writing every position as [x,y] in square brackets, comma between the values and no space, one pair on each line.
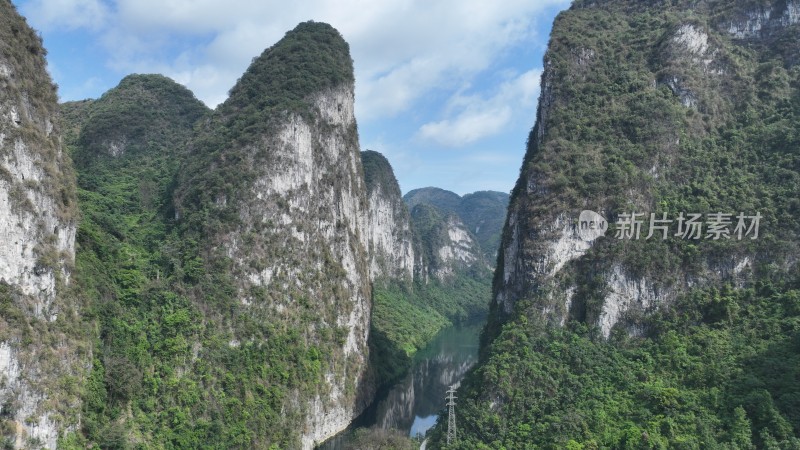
[273,190]
[143,111]
[311,58]
[378,173]
[304,80]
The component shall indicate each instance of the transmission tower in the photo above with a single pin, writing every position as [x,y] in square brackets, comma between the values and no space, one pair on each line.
[451,415]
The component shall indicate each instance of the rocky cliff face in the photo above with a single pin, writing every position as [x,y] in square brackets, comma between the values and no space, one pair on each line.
[758,21]
[543,255]
[388,227]
[290,228]
[320,202]
[446,245]
[37,245]
[650,115]
[432,240]
[482,212]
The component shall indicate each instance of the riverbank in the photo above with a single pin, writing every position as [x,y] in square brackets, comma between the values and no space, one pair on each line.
[410,407]
[406,318]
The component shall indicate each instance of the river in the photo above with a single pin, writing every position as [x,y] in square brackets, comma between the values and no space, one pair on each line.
[413,404]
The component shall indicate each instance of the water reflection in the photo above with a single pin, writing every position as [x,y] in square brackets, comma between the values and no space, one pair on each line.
[413,404]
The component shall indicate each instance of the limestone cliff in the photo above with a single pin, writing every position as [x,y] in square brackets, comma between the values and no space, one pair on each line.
[543,255]
[422,234]
[389,234]
[282,206]
[446,245]
[615,323]
[482,212]
[37,247]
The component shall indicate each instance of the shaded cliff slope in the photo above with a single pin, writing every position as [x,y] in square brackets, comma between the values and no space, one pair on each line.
[672,341]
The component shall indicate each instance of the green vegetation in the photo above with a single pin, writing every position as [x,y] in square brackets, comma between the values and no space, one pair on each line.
[718,370]
[311,58]
[179,361]
[143,114]
[444,200]
[378,172]
[162,375]
[406,318]
[377,439]
[630,119]
[483,213]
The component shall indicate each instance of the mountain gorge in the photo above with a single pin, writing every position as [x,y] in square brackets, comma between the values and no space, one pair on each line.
[246,277]
[657,338]
[224,278]
[439,277]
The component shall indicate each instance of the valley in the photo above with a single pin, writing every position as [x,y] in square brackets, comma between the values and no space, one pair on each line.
[253,275]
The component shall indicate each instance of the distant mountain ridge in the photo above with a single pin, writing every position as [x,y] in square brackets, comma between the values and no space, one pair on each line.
[483,213]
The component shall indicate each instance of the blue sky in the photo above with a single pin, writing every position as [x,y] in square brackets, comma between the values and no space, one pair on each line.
[446,89]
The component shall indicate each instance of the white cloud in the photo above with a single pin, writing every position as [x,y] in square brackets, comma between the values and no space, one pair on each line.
[403,49]
[474,117]
[70,14]
[468,127]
